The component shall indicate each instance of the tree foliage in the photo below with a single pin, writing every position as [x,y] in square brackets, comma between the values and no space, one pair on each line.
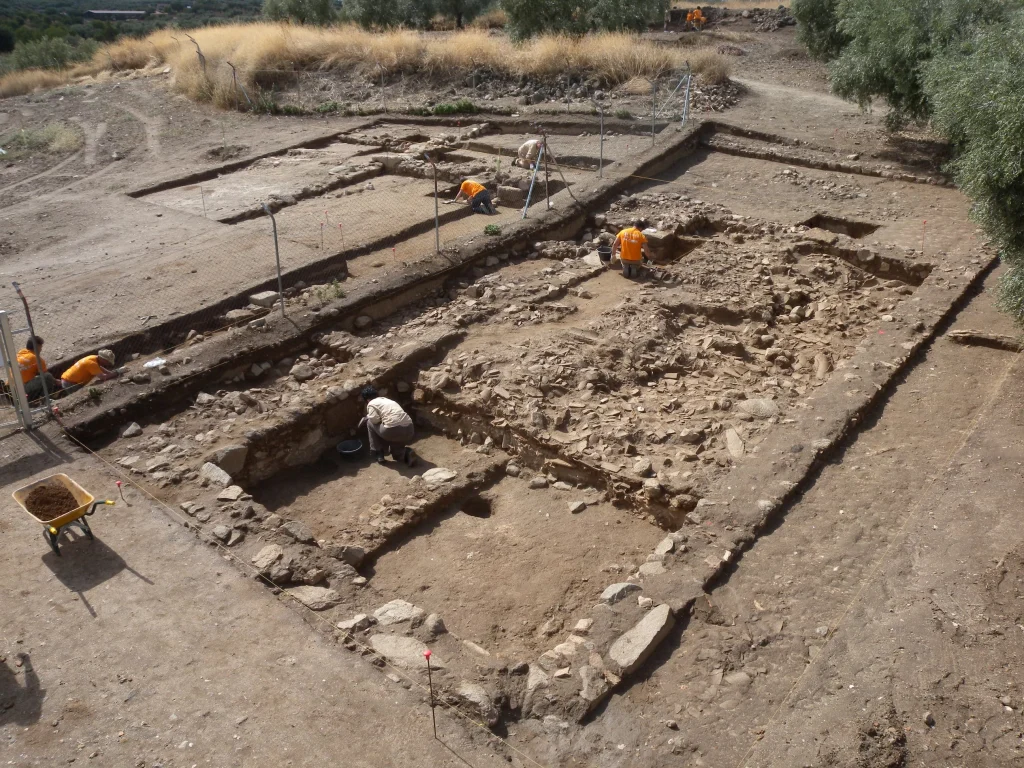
[818,27]
[319,12]
[890,43]
[977,96]
[379,14]
[527,18]
[461,11]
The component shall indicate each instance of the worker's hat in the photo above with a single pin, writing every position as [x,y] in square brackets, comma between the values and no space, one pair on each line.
[107,356]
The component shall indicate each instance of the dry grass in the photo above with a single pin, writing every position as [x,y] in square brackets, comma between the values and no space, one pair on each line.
[53,138]
[29,80]
[265,53]
[712,66]
[495,18]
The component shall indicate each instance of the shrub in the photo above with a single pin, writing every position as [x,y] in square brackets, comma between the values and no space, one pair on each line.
[460,107]
[319,12]
[50,53]
[29,80]
[527,18]
[625,15]
[818,28]
[975,93]
[54,138]
[493,230]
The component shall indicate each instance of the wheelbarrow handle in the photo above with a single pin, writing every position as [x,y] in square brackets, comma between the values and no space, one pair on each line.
[97,504]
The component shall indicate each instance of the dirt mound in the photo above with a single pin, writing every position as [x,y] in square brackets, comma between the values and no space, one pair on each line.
[48,502]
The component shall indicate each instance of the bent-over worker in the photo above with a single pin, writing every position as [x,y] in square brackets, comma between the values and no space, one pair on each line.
[699,20]
[529,152]
[388,426]
[631,247]
[476,195]
[33,369]
[99,366]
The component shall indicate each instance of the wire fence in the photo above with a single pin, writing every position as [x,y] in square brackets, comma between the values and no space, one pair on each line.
[294,232]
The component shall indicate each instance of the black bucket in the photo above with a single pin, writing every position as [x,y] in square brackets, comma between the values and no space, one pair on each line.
[604,252]
[350,449]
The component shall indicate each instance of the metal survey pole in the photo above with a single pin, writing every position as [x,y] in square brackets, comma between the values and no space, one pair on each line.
[547,174]
[654,108]
[16,385]
[686,100]
[600,160]
[437,215]
[536,167]
[277,256]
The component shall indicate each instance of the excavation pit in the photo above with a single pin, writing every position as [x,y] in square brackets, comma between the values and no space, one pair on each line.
[528,570]
[848,227]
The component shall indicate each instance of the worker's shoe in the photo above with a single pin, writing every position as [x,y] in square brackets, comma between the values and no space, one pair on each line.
[409,458]
[380,457]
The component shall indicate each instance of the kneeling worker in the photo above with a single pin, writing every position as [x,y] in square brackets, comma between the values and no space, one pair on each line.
[388,426]
[33,369]
[476,195]
[631,246]
[99,367]
[529,153]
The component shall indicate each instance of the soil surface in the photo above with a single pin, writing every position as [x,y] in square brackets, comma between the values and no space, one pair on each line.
[874,621]
[48,502]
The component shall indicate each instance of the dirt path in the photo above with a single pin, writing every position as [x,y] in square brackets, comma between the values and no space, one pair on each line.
[107,658]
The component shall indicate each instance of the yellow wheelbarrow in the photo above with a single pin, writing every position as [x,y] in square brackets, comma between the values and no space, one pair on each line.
[52,528]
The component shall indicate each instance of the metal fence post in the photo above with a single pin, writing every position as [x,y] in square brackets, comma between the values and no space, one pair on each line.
[437,215]
[277,256]
[17,386]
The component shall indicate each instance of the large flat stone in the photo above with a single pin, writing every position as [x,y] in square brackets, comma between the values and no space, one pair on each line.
[264,298]
[230,458]
[315,598]
[633,648]
[215,475]
[397,612]
[404,652]
[615,592]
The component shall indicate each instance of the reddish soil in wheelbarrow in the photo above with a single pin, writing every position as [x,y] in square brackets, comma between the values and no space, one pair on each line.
[48,502]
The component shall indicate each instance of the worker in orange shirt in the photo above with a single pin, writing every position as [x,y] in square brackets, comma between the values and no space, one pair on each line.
[476,195]
[631,247]
[33,369]
[99,367]
[698,19]
[689,19]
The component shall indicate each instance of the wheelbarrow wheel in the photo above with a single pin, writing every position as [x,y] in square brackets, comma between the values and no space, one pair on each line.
[51,539]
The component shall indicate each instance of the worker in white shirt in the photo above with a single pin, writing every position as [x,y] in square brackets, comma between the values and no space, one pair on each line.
[388,426]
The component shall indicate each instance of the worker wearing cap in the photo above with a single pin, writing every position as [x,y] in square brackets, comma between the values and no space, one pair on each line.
[529,153]
[99,367]
[631,247]
[476,195]
[388,426]
[33,369]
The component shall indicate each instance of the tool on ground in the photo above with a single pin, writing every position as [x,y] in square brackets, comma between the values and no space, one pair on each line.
[430,682]
[53,528]
[121,491]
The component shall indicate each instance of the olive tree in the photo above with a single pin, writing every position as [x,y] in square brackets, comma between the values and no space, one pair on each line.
[818,27]
[977,100]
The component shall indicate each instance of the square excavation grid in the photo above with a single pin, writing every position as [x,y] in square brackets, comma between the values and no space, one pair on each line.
[568,418]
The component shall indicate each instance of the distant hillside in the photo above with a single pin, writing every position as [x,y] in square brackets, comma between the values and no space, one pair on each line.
[31,20]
